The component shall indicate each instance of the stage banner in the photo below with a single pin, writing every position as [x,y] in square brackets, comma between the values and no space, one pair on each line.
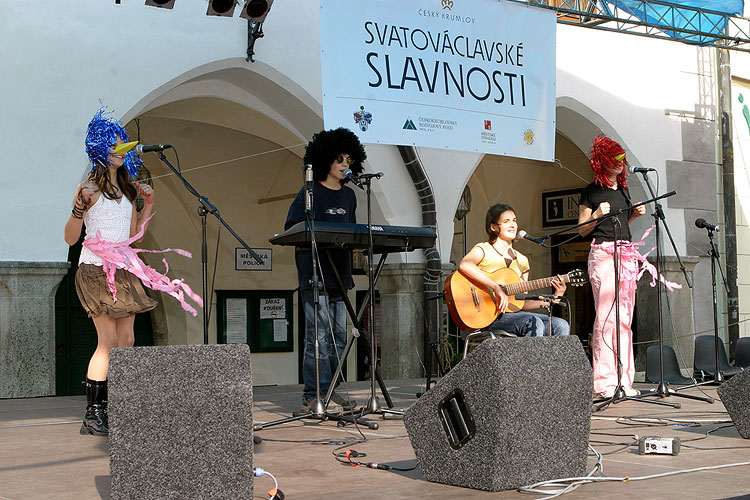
[471,75]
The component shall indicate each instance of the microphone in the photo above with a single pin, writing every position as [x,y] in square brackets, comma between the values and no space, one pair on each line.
[140,149]
[703,224]
[350,175]
[634,170]
[308,187]
[538,296]
[538,241]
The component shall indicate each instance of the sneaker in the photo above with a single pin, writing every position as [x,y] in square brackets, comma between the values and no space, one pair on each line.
[346,404]
[606,393]
[332,407]
[631,392]
[304,410]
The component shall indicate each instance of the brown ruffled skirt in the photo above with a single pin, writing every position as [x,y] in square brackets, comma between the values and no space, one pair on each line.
[95,297]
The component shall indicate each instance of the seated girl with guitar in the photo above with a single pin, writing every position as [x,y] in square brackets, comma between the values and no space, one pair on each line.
[497,258]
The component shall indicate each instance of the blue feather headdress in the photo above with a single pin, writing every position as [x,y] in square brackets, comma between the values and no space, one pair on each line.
[101,134]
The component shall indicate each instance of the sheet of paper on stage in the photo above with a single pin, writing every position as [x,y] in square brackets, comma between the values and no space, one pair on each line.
[236,315]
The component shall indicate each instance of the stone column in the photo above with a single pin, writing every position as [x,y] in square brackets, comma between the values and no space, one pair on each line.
[401,320]
[678,323]
[27,327]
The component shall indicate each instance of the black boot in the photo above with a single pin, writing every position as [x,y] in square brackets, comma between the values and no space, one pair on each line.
[95,421]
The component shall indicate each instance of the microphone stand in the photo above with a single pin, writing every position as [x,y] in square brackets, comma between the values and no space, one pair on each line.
[662,389]
[205,208]
[373,405]
[715,262]
[719,377]
[619,394]
[317,406]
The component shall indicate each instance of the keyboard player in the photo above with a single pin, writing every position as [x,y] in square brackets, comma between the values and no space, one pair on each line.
[330,152]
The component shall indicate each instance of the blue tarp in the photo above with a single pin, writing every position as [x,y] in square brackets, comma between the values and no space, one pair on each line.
[672,16]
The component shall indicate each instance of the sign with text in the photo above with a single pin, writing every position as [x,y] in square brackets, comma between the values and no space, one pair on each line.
[273,308]
[560,208]
[243,261]
[471,75]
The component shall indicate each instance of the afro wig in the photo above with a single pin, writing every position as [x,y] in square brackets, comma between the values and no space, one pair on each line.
[326,145]
[602,156]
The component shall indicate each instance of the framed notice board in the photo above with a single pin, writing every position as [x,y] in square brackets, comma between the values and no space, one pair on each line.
[262,319]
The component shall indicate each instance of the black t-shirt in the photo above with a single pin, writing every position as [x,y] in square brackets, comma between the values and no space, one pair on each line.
[329,205]
[592,195]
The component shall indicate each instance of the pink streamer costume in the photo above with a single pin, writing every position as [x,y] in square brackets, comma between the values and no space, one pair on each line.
[120,255]
[631,265]
[608,159]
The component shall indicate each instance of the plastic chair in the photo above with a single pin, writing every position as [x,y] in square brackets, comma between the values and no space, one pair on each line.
[742,352]
[671,367]
[704,360]
[473,339]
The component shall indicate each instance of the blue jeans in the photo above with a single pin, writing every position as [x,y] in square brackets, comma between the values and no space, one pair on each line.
[331,316]
[528,324]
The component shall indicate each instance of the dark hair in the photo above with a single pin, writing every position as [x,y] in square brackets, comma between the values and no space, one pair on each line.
[99,176]
[493,213]
[326,145]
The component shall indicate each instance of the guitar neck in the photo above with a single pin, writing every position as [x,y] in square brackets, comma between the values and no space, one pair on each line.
[526,286]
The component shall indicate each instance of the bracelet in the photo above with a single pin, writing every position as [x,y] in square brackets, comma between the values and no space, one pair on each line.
[78,210]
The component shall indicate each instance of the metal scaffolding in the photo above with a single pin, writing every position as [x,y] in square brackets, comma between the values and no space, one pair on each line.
[655,19]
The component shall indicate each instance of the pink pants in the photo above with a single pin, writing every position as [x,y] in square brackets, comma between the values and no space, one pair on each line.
[602,278]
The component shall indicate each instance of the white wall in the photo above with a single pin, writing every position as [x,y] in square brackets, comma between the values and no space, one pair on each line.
[63,59]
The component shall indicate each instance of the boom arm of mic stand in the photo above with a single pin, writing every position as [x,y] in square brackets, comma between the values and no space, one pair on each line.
[209,207]
[660,215]
[606,216]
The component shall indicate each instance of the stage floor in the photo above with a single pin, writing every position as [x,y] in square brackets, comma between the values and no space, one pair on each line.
[43,456]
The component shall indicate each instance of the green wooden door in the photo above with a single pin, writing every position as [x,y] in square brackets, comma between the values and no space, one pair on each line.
[75,335]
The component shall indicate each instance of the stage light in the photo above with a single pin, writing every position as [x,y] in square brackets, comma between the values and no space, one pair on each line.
[224,8]
[256,10]
[163,4]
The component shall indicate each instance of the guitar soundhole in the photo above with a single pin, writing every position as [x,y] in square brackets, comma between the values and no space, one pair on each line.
[457,421]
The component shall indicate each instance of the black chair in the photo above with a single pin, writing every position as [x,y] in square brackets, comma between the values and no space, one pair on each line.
[742,352]
[704,360]
[671,367]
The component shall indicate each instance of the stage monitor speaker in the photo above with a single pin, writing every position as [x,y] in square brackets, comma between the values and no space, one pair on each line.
[735,394]
[181,422]
[515,411]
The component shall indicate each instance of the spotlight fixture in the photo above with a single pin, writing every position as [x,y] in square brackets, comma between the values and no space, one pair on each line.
[163,4]
[256,10]
[223,8]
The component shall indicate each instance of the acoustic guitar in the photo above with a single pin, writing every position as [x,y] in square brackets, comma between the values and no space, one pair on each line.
[472,306]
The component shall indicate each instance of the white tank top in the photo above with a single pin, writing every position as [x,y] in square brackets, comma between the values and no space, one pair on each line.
[111,219]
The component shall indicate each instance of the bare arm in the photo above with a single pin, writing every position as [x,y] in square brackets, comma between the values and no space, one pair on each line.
[85,196]
[557,283]
[636,212]
[147,195]
[468,266]
[585,214]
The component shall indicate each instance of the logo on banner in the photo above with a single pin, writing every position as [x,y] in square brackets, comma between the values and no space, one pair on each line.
[528,136]
[362,118]
[487,136]
[447,4]
[409,125]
